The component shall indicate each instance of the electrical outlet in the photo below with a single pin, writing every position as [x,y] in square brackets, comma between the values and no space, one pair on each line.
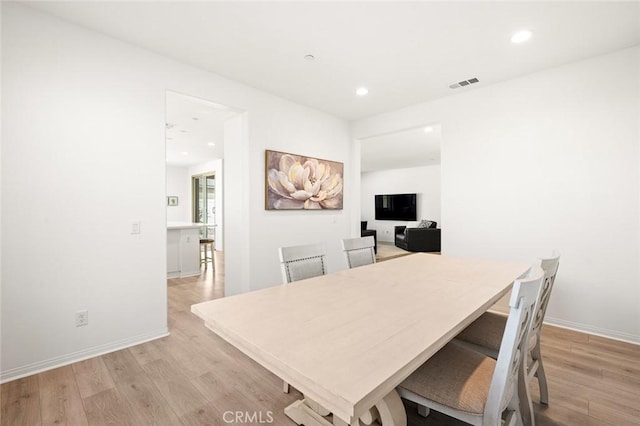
[82,318]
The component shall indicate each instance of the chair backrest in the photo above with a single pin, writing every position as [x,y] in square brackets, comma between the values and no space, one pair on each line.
[550,267]
[301,262]
[359,251]
[524,301]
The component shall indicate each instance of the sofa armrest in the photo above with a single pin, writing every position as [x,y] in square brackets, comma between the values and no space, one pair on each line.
[399,229]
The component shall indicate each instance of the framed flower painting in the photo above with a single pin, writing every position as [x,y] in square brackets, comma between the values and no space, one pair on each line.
[296,182]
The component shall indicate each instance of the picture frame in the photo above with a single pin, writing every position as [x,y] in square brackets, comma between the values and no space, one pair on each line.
[300,182]
[172,201]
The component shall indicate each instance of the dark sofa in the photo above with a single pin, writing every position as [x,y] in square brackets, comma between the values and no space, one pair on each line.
[418,239]
[364,232]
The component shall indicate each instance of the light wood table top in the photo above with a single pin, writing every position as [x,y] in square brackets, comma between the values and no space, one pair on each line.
[349,338]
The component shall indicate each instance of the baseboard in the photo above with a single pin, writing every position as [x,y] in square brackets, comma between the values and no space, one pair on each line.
[40,366]
[597,331]
[582,328]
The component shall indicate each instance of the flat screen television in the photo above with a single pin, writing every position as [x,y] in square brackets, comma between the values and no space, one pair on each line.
[396,207]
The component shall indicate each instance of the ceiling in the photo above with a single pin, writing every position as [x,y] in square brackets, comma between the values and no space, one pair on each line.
[403,52]
[193,125]
[407,148]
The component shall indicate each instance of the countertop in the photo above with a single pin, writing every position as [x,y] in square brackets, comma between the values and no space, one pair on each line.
[184,225]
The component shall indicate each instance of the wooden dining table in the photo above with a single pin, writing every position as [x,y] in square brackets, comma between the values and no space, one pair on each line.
[347,339]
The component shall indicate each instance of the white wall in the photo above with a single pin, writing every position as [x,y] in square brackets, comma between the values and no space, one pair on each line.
[549,160]
[425,181]
[179,184]
[83,134]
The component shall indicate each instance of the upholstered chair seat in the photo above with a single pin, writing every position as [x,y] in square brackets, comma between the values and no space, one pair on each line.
[455,377]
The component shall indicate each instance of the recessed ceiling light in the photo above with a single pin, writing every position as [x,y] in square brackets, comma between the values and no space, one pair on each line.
[521,36]
[309,57]
[211,144]
[195,118]
[362,91]
[428,129]
[185,153]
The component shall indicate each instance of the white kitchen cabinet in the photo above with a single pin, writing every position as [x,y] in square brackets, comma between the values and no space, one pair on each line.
[183,249]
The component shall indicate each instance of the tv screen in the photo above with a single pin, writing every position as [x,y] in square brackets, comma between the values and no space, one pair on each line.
[396,207]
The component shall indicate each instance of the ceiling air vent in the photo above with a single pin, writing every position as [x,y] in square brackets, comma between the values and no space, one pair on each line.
[463,83]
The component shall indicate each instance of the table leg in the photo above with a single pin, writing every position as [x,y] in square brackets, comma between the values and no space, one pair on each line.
[302,414]
[390,412]
[316,407]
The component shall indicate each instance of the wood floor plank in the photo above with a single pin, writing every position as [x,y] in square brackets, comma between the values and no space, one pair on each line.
[563,334]
[21,402]
[596,391]
[232,387]
[614,346]
[220,355]
[121,365]
[182,349]
[146,352]
[92,376]
[605,412]
[207,415]
[176,389]
[146,402]
[590,359]
[571,363]
[212,386]
[628,383]
[109,408]
[60,400]
[189,324]
[567,395]
[554,415]
[583,349]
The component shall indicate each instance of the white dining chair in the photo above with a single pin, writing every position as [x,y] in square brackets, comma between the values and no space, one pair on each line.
[471,386]
[302,262]
[359,251]
[485,333]
[299,263]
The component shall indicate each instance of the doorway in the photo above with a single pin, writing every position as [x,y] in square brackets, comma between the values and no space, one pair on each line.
[405,161]
[195,138]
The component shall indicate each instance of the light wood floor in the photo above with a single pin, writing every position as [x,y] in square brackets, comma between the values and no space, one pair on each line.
[193,377]
[388,251]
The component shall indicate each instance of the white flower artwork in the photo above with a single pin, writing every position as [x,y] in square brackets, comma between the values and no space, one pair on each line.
[295,182]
